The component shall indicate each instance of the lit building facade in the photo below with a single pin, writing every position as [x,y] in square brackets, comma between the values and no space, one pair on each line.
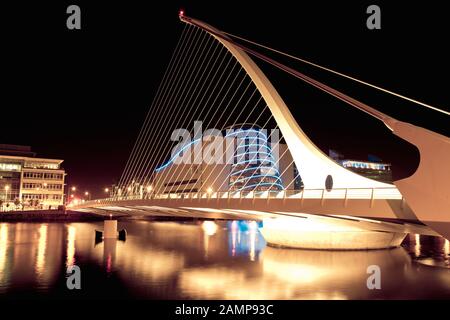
[375,170]
[254,167]
[28,182]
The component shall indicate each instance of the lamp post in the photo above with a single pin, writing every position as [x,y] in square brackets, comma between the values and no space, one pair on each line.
[87,194]
[149,190]
[70,194]
[6,195]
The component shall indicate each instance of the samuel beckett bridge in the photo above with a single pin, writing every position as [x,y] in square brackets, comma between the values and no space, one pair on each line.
[304,198]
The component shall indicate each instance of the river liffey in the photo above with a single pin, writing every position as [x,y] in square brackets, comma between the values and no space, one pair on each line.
[207,260]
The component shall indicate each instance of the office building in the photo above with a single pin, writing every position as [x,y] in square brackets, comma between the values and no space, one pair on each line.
[28,182]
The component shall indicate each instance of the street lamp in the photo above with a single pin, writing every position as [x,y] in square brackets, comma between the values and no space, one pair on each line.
[87,194]
[71,193]
[149,190]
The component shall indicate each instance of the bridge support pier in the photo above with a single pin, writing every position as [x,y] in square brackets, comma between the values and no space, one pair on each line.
[110,229]
[309,234]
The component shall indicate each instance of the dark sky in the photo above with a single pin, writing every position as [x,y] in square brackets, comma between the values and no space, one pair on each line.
[82,95]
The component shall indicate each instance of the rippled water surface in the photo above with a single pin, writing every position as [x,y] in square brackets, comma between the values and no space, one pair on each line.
[207,260]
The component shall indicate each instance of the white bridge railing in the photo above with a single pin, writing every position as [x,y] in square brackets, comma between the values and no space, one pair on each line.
[322,194]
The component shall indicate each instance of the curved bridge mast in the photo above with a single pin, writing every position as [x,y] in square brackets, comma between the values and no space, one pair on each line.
[426,191]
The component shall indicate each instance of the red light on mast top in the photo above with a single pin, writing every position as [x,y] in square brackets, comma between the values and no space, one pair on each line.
[181,13]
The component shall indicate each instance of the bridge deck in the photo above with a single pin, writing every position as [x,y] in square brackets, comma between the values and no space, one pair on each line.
[372,209]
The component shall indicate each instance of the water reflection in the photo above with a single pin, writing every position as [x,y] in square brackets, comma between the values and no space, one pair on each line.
[3,250]
[417,245]
[42,246]
[209,229]
[297,274]
[70,255]
[27,263]
[309,274]
[206,259]
[244,239]
[428,250]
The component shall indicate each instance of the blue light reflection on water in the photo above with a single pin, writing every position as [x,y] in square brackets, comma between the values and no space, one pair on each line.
[244,239]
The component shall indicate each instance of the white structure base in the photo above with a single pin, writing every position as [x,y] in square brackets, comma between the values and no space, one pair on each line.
[305,234]
[110,229]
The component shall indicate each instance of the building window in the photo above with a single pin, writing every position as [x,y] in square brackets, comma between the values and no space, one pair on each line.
[47,186]
[53,176]
[32,175]
[10,167]
[41,165]
[29,196]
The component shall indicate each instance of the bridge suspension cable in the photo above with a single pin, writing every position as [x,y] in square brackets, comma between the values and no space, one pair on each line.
[339,74]
[203,81]
[182,106]
[175,105]
[168,89]
[323,87]
[168,74]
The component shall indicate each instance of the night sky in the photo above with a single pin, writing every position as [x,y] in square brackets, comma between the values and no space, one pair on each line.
[82,95]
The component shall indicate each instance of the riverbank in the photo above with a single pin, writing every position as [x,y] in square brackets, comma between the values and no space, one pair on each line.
[48,215]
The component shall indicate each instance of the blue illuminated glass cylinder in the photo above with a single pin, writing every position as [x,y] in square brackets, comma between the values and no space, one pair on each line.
[254,167]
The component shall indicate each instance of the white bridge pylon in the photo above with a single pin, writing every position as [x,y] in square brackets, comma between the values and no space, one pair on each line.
[426,191]
[313,165]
